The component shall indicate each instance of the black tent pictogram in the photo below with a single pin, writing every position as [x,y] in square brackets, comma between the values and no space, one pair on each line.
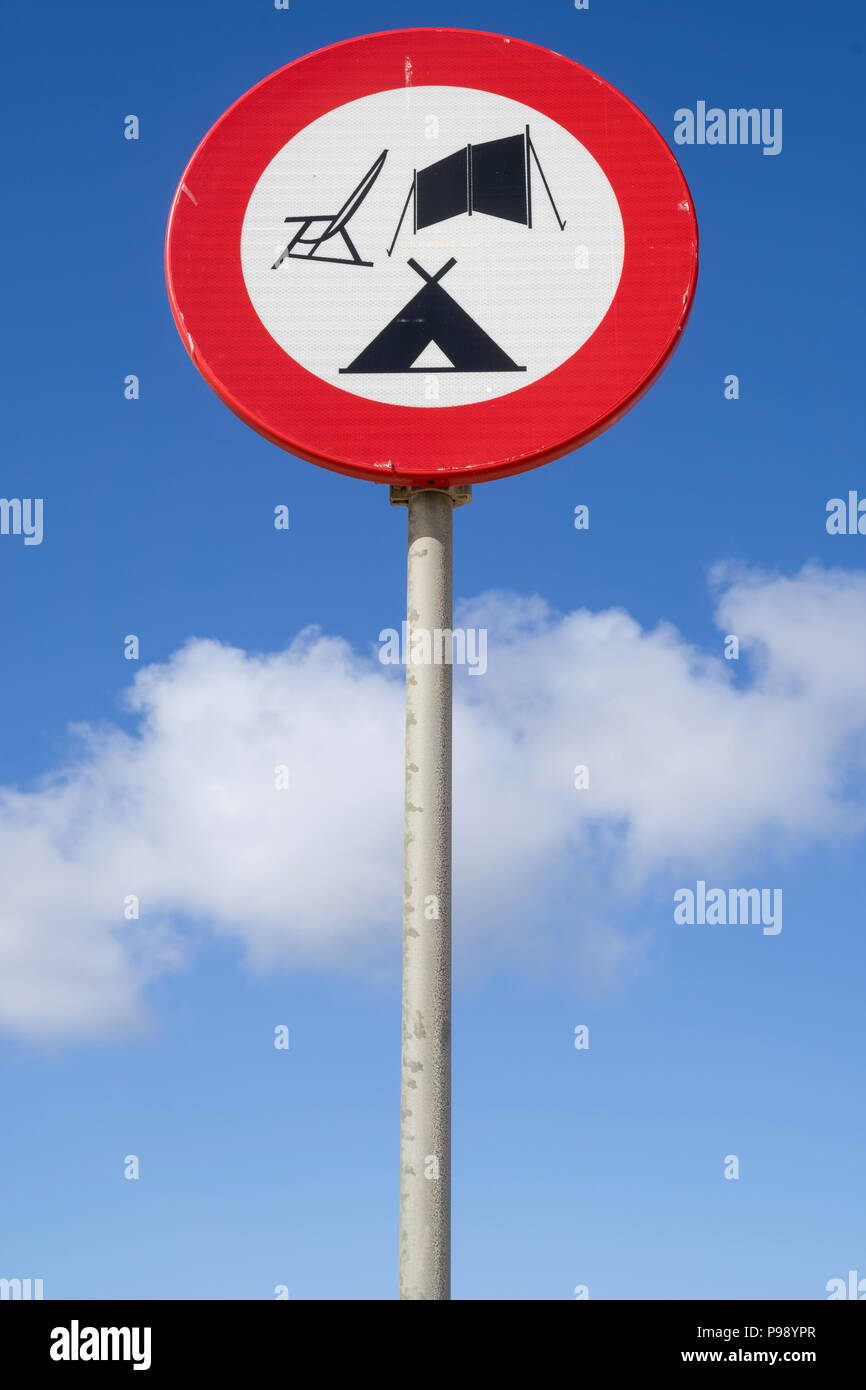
[432,316]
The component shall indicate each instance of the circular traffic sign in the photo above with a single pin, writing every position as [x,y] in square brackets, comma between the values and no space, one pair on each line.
[431,256]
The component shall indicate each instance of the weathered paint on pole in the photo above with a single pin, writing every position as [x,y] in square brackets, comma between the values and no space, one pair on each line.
[425,1130]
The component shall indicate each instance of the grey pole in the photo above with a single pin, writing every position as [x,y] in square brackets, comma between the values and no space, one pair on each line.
[425,1121]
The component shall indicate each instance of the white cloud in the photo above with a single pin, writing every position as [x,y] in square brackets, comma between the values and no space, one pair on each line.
[694,762]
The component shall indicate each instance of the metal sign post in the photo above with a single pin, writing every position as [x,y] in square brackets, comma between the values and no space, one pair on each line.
[425,1099]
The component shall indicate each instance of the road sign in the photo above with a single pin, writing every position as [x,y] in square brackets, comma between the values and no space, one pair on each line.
[431,257]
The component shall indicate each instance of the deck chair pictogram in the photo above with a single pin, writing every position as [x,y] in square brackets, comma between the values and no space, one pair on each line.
[335,225]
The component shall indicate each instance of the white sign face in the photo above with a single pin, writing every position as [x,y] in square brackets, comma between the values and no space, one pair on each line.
[505,241]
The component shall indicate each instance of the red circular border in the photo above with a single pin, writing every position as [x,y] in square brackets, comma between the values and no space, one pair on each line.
[468,443]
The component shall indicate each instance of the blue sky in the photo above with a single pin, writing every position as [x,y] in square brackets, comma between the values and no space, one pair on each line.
[601,1167]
